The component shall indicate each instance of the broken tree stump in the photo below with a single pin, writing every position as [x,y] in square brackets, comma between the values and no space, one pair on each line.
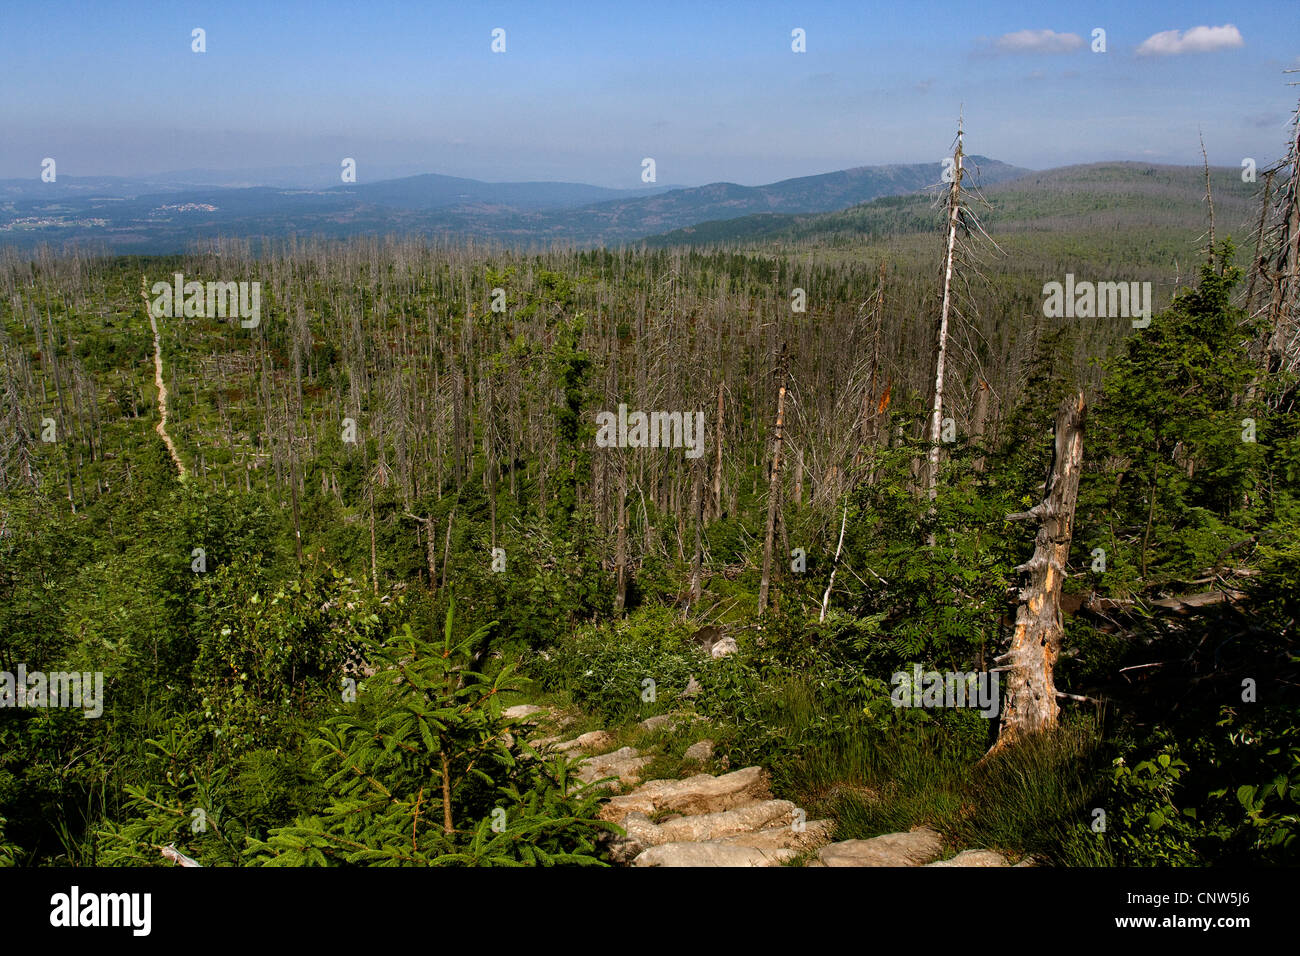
[1029,702]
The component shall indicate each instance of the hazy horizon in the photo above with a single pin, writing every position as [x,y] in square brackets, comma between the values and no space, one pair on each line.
[711,94]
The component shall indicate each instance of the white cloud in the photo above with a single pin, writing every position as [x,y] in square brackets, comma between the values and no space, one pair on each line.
[1038,41]
[1195,40]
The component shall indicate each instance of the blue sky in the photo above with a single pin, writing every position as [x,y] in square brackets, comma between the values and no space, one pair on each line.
[584,91]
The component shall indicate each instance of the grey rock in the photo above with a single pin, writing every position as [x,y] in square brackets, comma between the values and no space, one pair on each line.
[702,827]
[724,647]
[669,721]
[815,833]
[522,711]
[701,751]
[593,742]
[913,848]
[661,720]
[625,764]
[702,793]
[711,854]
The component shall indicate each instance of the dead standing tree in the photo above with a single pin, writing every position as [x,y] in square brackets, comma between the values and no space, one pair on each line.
[1029,704]
[955,221]
[774,483]
[867,427]
[960,263]
[1284,271]
[1275,267]
[620,553]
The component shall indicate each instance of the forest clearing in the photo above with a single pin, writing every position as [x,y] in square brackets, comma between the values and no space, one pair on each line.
[456,460]
[1026,589]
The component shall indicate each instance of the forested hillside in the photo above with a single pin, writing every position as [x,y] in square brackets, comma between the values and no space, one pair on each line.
[394,512]
[1150,206]
[152,218]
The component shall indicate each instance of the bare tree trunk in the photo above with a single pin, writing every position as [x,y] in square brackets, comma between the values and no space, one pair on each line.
[374,564]
[1209,199]
[1282,311]
[697,517]
[717,459]
[1259,260]
[430,548]
[773,491]
[620,550]
[446,551]
[431,553]
[293,495]
[447,827]
[870,421]
[492,499]
[936,414]
[979,421]
[1029,704]
[835,565]
[798,479]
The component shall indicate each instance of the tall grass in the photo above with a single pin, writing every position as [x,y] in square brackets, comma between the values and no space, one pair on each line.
[922,769]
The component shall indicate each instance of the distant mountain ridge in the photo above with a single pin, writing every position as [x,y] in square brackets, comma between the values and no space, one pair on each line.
[1094,195]
[435,191]
[104,211]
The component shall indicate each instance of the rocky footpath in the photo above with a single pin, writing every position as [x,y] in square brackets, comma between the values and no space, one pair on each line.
[728,819]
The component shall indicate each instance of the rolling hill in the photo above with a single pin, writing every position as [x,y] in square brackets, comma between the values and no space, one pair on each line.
[105,216]
[1117,196]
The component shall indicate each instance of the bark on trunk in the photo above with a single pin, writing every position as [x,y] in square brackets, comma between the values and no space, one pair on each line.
[620,550]
[697,517]
[798,480]
[835,566]
[717,460]
[1029,702]
[374,562]
[869,423]
[979,422]
[773,492]
[446,549]
[936,413]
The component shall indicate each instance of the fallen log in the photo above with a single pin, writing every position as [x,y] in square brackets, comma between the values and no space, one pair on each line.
[1183,602]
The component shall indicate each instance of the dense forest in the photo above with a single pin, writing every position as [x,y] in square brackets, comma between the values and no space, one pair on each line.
[383,513]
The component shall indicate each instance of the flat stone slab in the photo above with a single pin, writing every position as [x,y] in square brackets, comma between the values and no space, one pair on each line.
[702,793]
[815,833]
[711,854]
[914,848]
[522,711]
[625,763]
[973,858]
[643,833]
